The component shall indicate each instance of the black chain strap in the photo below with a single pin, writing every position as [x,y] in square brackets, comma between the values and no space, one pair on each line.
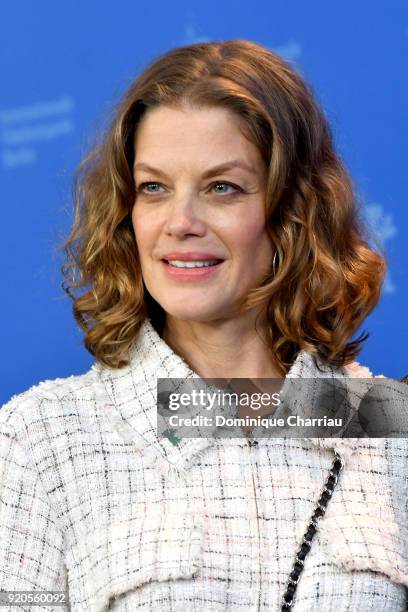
[288,601]
[288,598]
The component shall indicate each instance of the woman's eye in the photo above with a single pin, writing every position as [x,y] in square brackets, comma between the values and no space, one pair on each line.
[235,187]
[143,185]
[213,185]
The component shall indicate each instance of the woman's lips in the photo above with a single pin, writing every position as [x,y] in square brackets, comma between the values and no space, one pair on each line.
[191,273]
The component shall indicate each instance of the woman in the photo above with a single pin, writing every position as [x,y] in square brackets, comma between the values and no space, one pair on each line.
[216,235]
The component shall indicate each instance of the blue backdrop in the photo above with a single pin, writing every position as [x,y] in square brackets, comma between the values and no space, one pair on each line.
[64,65]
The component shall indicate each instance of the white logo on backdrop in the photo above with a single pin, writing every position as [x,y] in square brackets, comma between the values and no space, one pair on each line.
[23,128]
[383,226]
[292,50]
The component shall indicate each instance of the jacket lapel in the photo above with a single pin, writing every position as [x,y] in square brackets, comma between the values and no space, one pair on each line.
[130,398]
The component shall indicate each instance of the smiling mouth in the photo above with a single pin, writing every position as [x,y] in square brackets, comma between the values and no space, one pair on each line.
[192,264]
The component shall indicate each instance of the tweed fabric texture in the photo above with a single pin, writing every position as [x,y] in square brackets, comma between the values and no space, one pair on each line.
[93,501]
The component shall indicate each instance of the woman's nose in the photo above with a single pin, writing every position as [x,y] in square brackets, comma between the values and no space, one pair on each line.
[183,218]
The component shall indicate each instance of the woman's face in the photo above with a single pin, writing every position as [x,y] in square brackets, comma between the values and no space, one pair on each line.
[200,231]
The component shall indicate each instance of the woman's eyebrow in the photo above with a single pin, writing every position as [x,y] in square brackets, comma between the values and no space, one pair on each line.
[235,163]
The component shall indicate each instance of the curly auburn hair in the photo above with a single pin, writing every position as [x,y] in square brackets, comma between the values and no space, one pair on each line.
[327,279]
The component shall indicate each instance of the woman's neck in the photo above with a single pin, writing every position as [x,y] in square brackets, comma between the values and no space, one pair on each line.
[230,348]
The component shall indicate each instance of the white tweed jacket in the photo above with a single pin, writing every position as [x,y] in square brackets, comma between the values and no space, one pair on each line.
[93,502]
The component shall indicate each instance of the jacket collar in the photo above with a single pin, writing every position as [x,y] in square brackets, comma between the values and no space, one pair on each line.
[132,404]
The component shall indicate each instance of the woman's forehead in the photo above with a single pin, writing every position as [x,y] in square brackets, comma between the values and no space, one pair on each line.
[197,137]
